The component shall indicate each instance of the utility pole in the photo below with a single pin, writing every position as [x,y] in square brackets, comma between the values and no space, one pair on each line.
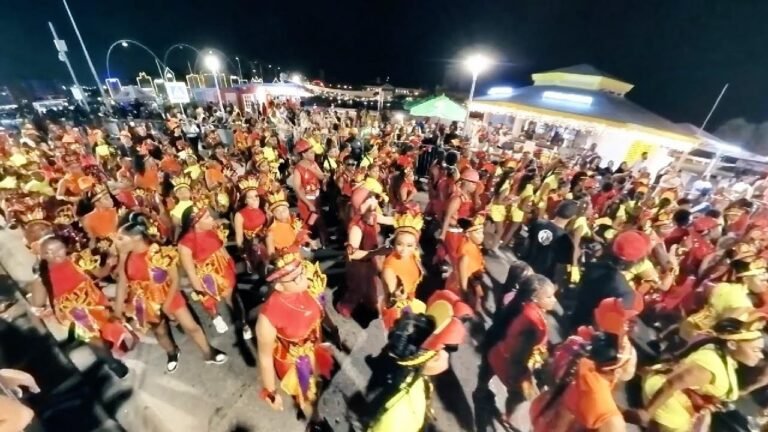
[87,57]
[61,47]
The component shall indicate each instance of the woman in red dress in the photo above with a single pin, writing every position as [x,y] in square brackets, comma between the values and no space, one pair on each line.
[210,269]
[101,223]
[403,191]
[289,334]
[460,205]
[516,344]
[363,255]
[148,290]
[78,303]
[249,223]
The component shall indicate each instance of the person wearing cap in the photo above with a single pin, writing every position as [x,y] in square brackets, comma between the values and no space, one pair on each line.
[680,395]
[604,278]
[459,206]
[417,348]
[290,337]
[550,247]
[748,277]
[308,180]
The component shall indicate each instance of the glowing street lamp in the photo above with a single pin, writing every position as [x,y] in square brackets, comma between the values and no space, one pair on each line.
[476,64]
[213,64]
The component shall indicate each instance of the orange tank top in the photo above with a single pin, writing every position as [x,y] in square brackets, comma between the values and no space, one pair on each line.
[101,222]
[407,270]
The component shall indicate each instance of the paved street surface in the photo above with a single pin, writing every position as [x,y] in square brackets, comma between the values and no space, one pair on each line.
[203,398]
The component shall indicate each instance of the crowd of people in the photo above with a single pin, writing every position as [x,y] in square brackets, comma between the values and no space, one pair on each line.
[173,222]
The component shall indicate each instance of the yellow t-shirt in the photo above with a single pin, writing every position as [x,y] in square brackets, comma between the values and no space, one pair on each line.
[728,296]
[269,154]
[330,164]
[194,171]
[406,411]
[17,159]
[41,187]
[675,413]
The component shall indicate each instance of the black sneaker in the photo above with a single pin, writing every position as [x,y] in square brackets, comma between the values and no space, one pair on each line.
[173,362]
[118,368]
[217,357]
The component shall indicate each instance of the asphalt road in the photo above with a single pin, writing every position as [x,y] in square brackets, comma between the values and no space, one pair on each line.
[211,398]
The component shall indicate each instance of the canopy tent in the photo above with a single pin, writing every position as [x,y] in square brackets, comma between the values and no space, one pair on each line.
[131,93]
[441,107]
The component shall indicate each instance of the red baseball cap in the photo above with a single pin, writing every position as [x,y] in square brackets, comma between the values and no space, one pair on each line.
[631,245]
[301,146]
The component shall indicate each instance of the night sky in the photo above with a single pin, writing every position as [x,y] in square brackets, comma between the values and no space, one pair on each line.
[678,53]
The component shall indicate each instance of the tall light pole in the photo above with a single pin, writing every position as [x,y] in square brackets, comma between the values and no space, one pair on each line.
[124,43]
[476,64]
[212,63]
[61,47]
[87,57]
[239,69]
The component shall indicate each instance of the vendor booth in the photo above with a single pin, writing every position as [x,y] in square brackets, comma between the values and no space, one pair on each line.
[570,108]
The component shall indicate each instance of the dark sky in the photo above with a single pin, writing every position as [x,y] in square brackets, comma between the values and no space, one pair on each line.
[678,53]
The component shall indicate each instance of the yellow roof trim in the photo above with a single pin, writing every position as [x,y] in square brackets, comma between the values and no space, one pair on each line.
[587,82]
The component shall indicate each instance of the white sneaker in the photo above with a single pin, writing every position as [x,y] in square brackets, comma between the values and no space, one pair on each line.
[247,333]
[220,325]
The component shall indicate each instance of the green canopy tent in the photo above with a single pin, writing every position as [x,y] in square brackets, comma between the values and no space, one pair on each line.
[441,107]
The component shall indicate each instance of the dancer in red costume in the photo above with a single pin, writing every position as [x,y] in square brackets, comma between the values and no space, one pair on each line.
[289,334]
[210,269]
[148,290]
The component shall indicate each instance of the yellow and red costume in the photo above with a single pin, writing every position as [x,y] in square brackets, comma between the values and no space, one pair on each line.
[310,184]
[409,273]
[213,265]
[300,355]
[476,263]
[79,303]
[149,284]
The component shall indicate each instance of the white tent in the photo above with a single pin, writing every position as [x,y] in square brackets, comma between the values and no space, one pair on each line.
[131,93]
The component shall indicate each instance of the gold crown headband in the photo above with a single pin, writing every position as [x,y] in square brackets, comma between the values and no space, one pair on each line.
[407,222]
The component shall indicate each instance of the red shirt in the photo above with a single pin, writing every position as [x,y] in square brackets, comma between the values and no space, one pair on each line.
[203,244]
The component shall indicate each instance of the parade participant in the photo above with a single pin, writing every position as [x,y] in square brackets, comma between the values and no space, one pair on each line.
[465,278]
[499,208]
[210,269]
[147,174]
[308,180]
[515,346]
[290,340]
[516,213]
[78,303]
[68,188]
[585,372]
[681,395]
[459,206]
[148,290]
[182,191]
[402,270]
[285,233]
[604,278]
[101,223]
[417,348]
[363,255]
[249,222]
[403,190]
[550,247]
[748,276]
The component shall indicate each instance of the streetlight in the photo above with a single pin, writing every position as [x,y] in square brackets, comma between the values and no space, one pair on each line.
[180,46]
[239,69]
[213,64]
[124,43]
[476,64]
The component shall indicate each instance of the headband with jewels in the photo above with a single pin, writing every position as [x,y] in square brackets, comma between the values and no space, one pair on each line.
[201,204]
[446,310]
[247,183]
[31,214]
[98,191]
[285,267]
[276,200]
[409,222]
[182,181]
[65,215]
